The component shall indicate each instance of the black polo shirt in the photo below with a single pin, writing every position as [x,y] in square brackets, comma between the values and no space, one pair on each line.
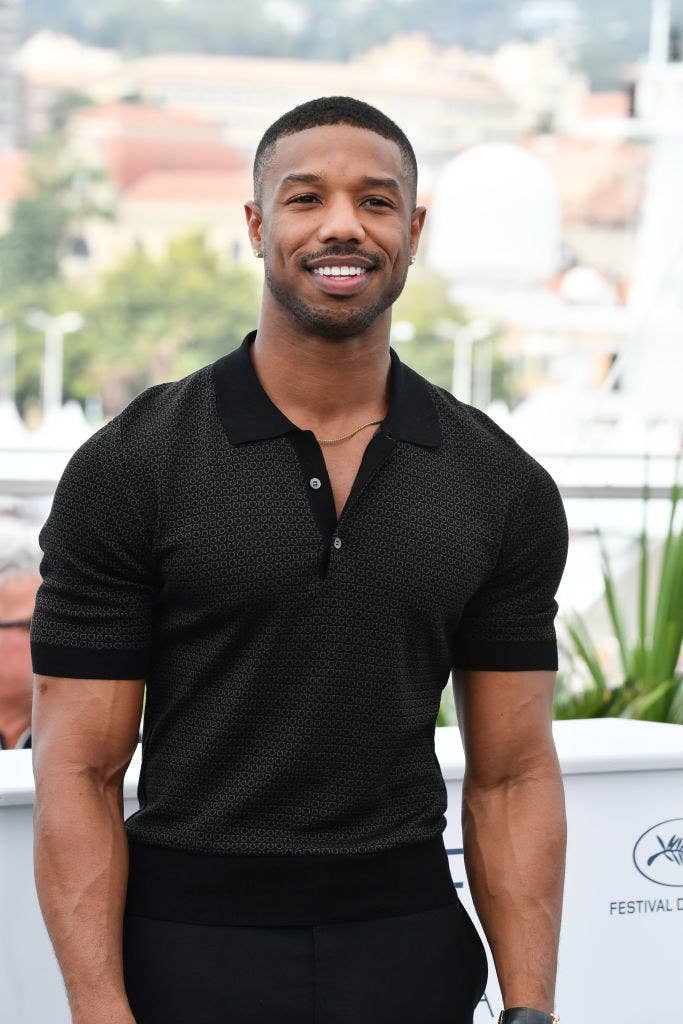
[294,664]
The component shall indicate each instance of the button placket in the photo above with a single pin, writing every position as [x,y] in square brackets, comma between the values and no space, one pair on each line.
[319,488]
[377,452]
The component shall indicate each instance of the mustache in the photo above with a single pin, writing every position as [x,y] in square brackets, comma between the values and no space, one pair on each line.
[338,250]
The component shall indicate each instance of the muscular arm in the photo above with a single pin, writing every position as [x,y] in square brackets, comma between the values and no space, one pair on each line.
[84,735]
[514,825]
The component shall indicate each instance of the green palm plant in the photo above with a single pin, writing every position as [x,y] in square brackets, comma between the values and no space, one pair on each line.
[651,687]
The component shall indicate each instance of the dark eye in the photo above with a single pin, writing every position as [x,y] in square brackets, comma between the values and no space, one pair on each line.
[299,199]
[376,199]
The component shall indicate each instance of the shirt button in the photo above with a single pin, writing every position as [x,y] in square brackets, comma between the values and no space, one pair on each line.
[337,542]
[314,482]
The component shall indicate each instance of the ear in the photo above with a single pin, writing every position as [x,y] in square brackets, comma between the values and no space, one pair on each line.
[417,219]
[254,217]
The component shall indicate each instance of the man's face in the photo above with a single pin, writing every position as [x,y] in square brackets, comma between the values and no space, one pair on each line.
[335,196]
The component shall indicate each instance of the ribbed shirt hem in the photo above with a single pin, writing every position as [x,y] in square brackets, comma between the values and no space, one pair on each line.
[506,655]
[303,889]
[89,663]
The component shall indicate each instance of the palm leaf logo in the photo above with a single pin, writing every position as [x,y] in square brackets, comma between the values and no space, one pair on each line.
[672,851]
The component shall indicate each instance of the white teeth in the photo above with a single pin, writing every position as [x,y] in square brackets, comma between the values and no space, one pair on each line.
[344,271]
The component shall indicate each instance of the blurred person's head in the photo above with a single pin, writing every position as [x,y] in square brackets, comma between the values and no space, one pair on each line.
[334,177]
[19,581]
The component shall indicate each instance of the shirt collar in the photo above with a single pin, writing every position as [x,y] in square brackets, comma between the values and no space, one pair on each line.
[248,414]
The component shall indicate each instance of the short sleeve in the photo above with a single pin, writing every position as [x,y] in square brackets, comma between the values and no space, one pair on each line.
[508,623]
[93,611]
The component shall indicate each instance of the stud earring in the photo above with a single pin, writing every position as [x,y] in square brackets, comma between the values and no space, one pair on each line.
[412,259]
[257,253]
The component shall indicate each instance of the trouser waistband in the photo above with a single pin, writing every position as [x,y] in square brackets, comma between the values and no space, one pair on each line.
[303,889]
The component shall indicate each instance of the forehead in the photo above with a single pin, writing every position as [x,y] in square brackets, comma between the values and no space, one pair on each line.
[339,151]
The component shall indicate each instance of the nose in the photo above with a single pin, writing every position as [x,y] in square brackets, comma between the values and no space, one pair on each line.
[341,221]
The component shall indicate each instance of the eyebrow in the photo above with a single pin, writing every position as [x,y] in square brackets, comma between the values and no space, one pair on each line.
[381,183]
[309,178]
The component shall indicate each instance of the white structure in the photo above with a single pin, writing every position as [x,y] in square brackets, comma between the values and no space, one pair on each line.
[653,359]
[13,430]
[495,234]
[55,328]
[495,218]
[650,365]
[63,428]
[50,62]
[619,956]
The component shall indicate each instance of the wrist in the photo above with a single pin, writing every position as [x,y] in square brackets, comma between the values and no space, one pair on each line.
[526,1015]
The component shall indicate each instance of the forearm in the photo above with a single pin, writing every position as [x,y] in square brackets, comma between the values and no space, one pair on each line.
[81,874]
[514,840]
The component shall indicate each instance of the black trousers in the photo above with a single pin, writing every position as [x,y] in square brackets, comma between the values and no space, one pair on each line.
[427,967]
[376,938]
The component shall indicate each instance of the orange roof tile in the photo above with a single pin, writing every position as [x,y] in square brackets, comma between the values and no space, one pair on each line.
[196,187]
[13,180]
[137,113]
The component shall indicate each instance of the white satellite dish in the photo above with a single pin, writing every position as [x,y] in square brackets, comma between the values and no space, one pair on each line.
[495,217]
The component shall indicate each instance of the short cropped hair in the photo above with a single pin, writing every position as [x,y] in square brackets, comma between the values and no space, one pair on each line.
[333,110]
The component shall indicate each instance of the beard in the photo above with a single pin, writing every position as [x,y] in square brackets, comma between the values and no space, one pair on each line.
[330,323]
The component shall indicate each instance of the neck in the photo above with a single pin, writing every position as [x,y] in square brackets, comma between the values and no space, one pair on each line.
[327,385]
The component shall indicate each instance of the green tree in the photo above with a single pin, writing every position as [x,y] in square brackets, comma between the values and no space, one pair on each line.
[424,303]
[152,320]
[29,250]
[63,105]
[146,321]
[62,194]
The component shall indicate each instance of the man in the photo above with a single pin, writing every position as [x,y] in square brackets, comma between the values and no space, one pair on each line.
[19,581]
[294,546]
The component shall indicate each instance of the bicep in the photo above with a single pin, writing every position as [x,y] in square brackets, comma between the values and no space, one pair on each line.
[85,725]
[505,720]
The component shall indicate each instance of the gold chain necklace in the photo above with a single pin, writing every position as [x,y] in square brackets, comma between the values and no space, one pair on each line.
[334,440]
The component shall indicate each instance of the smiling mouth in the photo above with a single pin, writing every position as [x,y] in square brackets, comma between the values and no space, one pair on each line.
[342,271]
[343,279]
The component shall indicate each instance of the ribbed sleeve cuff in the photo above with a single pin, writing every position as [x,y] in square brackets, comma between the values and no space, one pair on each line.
[89,662]
[506,655]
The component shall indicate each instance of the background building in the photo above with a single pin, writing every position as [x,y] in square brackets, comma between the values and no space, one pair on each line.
[10,83]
